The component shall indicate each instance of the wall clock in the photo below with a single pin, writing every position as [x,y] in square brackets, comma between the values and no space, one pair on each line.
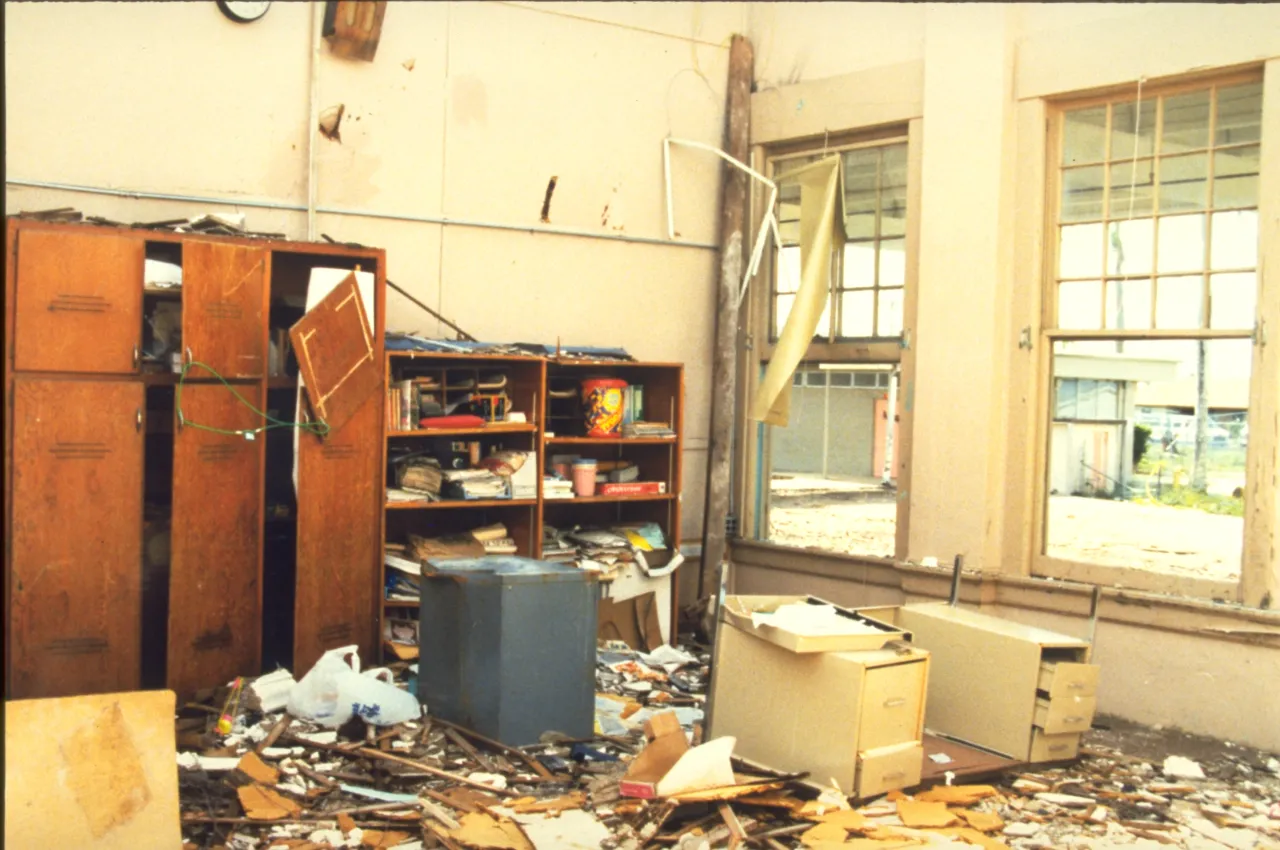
[244,11]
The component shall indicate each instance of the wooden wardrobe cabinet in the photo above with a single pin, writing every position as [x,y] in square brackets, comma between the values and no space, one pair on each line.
[96,449]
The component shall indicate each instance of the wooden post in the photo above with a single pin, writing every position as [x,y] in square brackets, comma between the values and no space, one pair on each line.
[1260,566]
[733,216]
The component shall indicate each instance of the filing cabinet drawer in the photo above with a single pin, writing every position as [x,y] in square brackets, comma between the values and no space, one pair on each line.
[1046,747]
[1064,678]
[1065,714]
[892,705]
[887,768]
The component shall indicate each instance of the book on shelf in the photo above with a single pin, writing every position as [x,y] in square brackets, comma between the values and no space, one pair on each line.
[632,430]
[632,403]
[632,488]
[500,546]
[469,484]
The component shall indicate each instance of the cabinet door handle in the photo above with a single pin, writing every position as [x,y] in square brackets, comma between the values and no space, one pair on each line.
[137,357]
[1076,719]
[139,420]
[897,774]
[188,355]
[894,702]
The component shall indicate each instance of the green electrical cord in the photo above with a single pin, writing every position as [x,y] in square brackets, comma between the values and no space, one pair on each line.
[320,427]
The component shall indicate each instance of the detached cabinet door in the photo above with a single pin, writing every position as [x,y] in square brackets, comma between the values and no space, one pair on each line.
[340,499]
[223,307]
[75,617]
[79,301]
[215,590]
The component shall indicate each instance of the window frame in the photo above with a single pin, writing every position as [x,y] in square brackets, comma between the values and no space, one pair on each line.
[1041,564]
[832,348]
[888,351]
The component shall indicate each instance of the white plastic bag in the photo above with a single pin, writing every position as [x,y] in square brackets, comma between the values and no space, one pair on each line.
[374,697]
[316,696]
[334,690]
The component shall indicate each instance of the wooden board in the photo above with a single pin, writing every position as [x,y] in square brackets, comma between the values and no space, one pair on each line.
[76,593]
[966,763]
[223,313]
[340,493]
[91,772]
[215,588]
[80,297]
[337,356]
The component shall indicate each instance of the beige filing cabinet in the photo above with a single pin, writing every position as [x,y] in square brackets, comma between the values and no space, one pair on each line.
[855,717]
[1023,692]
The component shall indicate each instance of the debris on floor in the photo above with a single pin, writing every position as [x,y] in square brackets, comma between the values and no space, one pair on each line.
[277,781]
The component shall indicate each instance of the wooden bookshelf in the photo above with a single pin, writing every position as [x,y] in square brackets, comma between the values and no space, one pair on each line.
[530,381]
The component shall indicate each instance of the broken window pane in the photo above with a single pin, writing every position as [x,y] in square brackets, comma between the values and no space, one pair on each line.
[1157,487]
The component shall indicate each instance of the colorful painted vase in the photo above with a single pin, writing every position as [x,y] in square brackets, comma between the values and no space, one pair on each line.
[602,405]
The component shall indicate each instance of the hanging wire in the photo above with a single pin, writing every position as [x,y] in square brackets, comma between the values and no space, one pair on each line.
[1133,162]
[319,427]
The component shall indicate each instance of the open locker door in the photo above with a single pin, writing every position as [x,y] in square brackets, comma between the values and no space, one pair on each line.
[215,577]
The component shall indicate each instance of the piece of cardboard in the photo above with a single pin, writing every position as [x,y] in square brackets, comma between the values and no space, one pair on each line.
[633,621]
[666,723]
[95,772]
[655,760]
[738,609]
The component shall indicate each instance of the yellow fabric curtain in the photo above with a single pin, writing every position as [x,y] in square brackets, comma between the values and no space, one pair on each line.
[820,192]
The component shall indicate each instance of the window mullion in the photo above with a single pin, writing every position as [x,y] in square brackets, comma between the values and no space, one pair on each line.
[1205,293]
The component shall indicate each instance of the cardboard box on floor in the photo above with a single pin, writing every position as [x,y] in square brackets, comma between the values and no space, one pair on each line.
[802,702]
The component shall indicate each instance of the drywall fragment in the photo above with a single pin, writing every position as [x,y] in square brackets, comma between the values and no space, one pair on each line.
[1182,768]
[705,766]
[331,122]
[919,815]
[1021,830]
[264,804]
[1069,801]
[258,770]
